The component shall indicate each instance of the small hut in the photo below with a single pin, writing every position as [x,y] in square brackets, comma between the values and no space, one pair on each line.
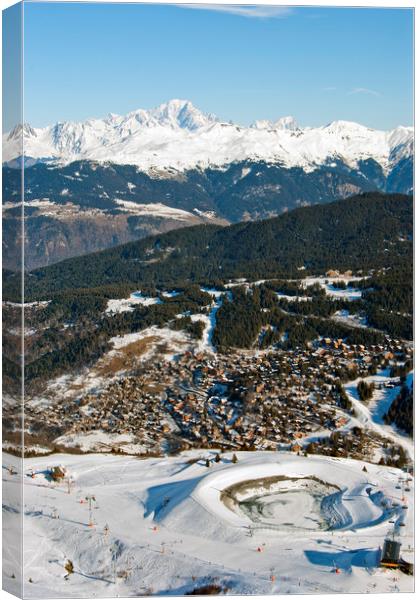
[391,554]
[57,473]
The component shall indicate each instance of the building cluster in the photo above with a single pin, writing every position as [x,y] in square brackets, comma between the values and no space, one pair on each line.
[241,401]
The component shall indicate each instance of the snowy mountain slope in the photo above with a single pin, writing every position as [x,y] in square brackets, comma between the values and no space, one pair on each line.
[178,135]
[159,526]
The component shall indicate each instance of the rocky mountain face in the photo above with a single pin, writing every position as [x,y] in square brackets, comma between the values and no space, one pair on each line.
[100,183]
[54,232]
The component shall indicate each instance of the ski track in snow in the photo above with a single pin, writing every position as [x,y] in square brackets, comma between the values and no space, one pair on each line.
[370,414]
[209,320]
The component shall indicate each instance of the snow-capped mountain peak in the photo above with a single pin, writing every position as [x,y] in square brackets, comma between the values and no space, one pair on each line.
[285,123]
[177,135]
[19,130]
[182,113]
[175,114]
[346,127]
[289,123]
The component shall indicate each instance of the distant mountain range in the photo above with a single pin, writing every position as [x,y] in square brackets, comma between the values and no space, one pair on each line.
[177,135]
[100,183]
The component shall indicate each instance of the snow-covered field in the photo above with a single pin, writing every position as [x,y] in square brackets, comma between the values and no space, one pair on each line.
[281,296]
[174,342]
[120,305]
[343,316]
[101,441]
[157,210]
[160,525]
[349,293]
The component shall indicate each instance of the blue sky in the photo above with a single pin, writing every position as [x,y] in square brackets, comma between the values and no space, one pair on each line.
[11,63]
[317,64]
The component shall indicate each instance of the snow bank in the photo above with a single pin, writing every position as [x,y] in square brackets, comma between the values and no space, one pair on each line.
[120,305]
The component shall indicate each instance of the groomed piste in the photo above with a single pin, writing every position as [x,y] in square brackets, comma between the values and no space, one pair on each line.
[271,523]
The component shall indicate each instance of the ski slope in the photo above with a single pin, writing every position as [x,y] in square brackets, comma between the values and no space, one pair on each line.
[159,526]
[370,414]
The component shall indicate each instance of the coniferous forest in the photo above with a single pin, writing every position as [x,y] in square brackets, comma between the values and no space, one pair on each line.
[370,235]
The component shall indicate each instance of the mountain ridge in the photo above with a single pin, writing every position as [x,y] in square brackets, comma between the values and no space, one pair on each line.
[87,206]
[178,135]
[103,182]
[375,229]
